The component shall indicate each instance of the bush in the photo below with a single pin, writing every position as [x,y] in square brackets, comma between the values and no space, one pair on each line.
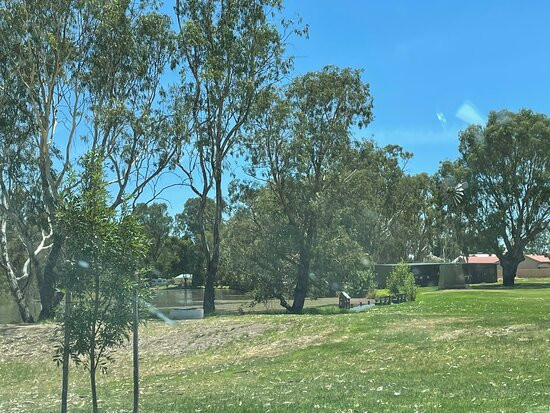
[361,283]
[401,281]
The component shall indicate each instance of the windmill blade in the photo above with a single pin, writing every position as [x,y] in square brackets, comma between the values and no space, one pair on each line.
[453,192]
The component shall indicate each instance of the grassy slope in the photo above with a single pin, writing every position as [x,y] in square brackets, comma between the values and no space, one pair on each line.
[482,350]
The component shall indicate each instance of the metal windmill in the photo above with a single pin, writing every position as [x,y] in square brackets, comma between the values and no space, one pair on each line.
[452,192]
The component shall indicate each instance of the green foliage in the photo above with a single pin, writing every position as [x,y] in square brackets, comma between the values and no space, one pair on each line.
[452,236]
[507,166]
[77,75]
[389,213]
[540,244]
[103,253]
[188,222]
[300,145]
[174,243]
[157,225]
[230,54]
[361,283]
[401,281]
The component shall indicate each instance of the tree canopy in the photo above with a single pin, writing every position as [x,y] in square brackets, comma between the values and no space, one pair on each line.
[321,200]
[507,166]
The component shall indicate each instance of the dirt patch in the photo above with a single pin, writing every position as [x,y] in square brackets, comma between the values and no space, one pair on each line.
[512,329]
[190,337]
[454,328]
[155,338]
[27,340]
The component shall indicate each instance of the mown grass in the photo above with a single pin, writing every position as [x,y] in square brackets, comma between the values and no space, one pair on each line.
[476,350]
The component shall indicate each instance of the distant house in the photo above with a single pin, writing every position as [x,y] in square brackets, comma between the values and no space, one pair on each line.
[532,266]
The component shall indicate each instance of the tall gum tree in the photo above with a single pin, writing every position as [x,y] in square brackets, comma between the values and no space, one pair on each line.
[90,72]
[388,211]
[300,144]
[231,52]
[507,165]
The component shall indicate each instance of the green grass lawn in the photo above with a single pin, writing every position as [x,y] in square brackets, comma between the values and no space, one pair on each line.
[478,350]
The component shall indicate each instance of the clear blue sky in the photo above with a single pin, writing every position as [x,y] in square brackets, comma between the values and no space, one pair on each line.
[424,61]
[424,58]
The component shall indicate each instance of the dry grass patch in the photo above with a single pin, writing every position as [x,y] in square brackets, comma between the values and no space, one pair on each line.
[193,336]
[284,345]
[156,338]
[515,329]
[22,340]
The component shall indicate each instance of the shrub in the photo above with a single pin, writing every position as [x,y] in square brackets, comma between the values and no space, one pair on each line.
[401,281]
[361,283]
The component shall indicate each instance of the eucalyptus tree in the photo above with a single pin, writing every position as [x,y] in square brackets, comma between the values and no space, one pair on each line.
[541,244]
[89,72]
[157,225]
[173,247]
[230,54]
[299,149]
[389,212]
[19,177]
[507,164]
[103,253]
[261,251]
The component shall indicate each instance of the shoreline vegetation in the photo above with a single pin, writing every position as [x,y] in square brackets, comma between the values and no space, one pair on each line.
[479,349]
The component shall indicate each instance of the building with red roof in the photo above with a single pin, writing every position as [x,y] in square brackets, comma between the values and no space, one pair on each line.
[532,266]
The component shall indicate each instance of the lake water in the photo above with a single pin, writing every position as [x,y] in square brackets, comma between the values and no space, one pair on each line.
[193,297]
[9,312]
[163,299]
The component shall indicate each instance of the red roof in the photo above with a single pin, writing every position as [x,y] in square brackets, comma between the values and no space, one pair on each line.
[491,259]
[539,258]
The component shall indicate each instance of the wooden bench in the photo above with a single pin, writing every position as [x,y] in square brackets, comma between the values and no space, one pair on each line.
[389,299]
[399,298]
[383,300]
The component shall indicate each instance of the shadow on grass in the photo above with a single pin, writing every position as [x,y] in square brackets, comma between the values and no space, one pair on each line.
[321,310]
[325,310]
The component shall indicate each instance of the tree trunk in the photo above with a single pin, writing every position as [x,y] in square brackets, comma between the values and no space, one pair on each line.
[49,298]
[302,283]
[509,267]
[283,303]
[13,284]
[209,293]
[66,341]
[212,273]
[92,383]
[135,343]
[93,332]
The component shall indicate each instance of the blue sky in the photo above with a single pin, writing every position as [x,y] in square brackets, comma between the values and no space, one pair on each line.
[433,66]
[432,57]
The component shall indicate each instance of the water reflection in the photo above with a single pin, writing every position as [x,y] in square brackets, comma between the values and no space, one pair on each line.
[192,297]
[163,299]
